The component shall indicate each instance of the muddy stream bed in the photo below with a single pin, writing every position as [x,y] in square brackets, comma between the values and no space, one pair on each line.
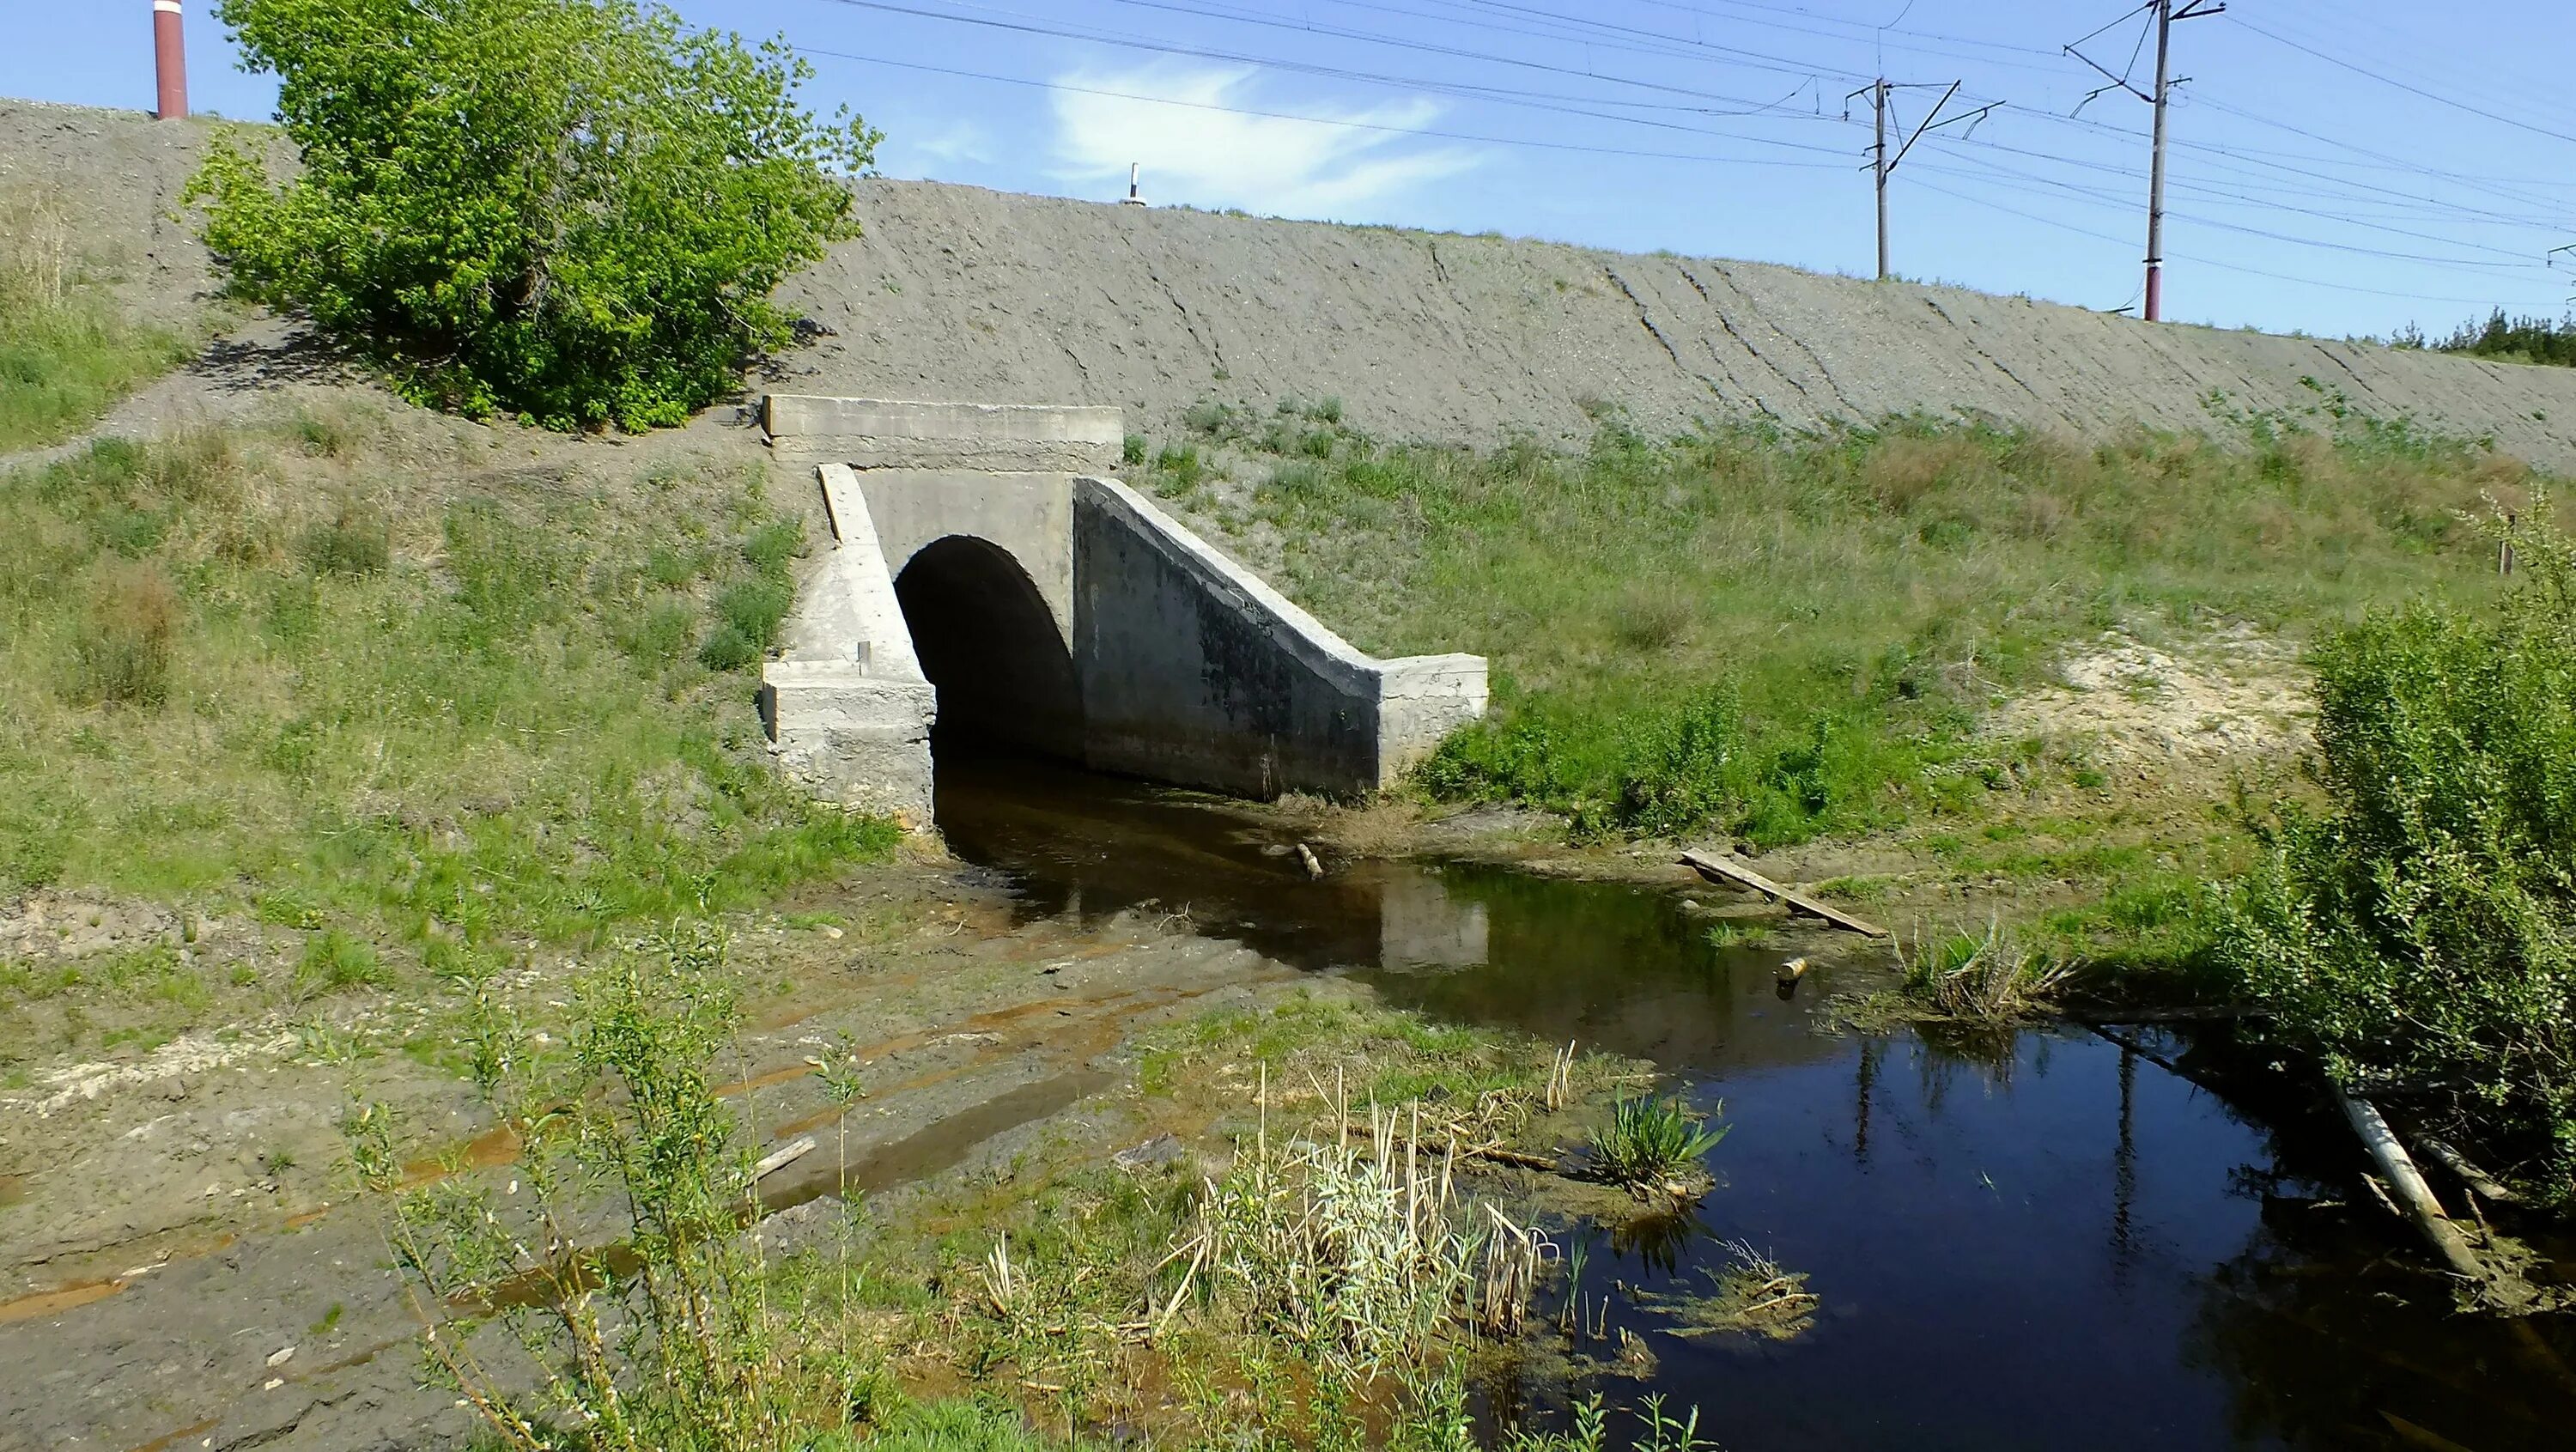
[2039,1240]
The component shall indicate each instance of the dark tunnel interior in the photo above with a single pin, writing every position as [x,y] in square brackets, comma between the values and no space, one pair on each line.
[990,645]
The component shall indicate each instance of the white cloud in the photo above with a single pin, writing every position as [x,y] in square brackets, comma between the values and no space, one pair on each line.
[1219,158]
[948,143]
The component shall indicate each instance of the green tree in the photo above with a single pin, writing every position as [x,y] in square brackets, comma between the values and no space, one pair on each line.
[573,210]
[2419,937]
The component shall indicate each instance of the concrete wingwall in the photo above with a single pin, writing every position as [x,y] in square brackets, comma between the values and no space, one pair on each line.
[1059,612]
[1195,670]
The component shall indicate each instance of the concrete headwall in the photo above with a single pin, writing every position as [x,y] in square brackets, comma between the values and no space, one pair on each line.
[1193,670]
[1060,614]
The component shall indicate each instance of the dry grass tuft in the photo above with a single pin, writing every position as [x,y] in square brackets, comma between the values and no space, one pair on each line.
[124,653]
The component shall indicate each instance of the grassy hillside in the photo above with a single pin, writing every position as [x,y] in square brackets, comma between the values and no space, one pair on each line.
[498,705]
[67,349]
[1775,636]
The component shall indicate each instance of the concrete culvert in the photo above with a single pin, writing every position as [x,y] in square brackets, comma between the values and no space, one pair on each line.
[993,649]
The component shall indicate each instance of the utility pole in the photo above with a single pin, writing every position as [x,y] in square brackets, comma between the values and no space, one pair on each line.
[2166,13]
[1881,165]
[1878,105]
[170,60]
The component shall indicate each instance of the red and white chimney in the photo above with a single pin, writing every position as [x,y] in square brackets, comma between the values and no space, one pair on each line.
[170,54]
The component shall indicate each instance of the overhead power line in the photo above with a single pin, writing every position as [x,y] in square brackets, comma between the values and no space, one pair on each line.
[2232,177]
[2453,102]
[1344,122]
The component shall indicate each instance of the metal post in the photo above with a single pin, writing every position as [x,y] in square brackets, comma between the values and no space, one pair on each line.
[1878,103]
[170,59]
[2156,173]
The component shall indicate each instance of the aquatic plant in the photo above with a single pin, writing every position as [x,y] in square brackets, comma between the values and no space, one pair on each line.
[1654,1144]
[1988,978]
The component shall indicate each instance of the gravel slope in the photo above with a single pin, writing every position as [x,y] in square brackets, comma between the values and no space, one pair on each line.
[957,292]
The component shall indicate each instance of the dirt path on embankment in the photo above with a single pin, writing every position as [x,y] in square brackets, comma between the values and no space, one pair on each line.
[184,1263]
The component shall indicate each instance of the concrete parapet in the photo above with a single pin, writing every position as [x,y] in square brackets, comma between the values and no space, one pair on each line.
[872,433]
[1421,699]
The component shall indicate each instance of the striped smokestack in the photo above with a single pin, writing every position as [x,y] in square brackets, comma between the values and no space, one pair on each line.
[170,53]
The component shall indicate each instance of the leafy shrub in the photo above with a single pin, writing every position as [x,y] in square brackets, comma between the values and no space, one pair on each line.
[2419,936]
[125,649]
[574,210]
[1653,1142]
[673,1339]
[1132,451]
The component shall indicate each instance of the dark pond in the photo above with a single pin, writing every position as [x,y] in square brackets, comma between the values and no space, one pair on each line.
[2041,1242]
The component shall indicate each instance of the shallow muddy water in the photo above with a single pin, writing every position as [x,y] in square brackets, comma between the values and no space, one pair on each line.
[2044,1241]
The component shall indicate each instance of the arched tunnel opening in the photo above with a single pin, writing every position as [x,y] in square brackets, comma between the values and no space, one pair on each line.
[991,646]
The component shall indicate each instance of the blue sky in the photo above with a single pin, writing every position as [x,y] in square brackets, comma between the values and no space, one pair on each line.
[2339,166]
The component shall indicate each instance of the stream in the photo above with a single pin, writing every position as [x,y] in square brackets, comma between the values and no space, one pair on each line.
[2040,1240]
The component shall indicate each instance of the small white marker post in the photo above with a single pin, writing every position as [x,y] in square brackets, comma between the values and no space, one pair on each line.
[1135,197]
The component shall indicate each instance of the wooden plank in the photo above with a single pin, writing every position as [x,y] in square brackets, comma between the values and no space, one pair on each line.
[1729,871]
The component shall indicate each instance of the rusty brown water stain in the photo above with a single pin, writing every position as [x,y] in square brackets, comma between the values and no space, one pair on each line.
[495,1146]
[169,1439]
[989,1021]
[36,1305]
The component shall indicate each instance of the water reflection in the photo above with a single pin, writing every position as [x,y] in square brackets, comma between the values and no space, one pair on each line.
[2040,1240]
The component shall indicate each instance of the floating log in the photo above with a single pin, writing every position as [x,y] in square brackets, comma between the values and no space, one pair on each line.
[2478,1180]
[2406,1183]
[1727,870]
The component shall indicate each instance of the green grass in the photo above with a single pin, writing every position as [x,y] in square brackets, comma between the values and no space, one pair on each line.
[1779,636]
[66,353]
[469,714]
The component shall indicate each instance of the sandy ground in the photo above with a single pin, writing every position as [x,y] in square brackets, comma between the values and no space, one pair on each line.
[2233,694]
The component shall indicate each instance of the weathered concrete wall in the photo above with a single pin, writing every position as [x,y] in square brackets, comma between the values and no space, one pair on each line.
[847,706]
[1195,671]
